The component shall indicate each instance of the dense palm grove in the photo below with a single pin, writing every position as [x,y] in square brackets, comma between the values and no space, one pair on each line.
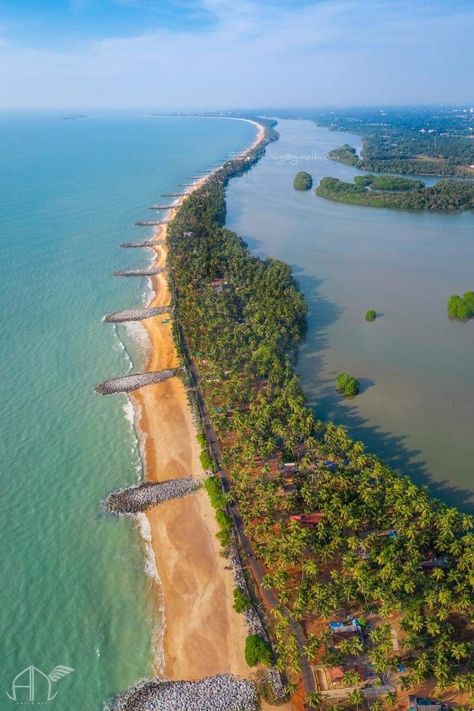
[445,195]
[243,320]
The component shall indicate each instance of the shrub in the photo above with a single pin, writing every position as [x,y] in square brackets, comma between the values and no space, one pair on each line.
[257,651]
[347,384]
[219,503]
[461,307]
[214,490]
[241,601]
[205,457]
[370,315]
[303,181]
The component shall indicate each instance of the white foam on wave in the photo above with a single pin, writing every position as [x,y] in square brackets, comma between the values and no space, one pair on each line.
[132,413]
[149,293]
[135,331]
[121,346]
[151,569]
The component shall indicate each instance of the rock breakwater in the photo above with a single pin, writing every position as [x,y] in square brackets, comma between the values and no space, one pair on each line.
[154,243]
[223,692]
[153,271]
[143,496]
[128,383]
[136,314]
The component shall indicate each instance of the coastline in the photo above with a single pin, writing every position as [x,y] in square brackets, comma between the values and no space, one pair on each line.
[200,634]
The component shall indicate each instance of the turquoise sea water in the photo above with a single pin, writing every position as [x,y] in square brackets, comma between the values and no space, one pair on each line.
[73,587]
[416,408]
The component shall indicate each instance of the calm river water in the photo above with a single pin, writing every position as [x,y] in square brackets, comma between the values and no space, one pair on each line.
[416,408]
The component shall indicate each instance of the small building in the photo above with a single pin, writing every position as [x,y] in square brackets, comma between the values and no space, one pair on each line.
[219,285]
[311,519]
[343,630]
[419,703]
[389,533]
[434,562]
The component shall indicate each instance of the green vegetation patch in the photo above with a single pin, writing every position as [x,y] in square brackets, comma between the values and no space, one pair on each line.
[345,154]
[461,307]
[371,315]
[241,601]
[257,651]
[445,195]
[388,182]
[218,500]
[206,460]
[303,181]
[347,385]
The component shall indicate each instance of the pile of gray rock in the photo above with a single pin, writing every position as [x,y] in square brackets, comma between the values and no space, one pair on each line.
[128,383]
[136,314]
[254,624]
[142,497]
[214,693]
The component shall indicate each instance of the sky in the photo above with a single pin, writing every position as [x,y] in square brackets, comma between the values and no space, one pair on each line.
[230,54]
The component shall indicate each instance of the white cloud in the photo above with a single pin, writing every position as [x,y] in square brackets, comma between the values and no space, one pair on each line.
[331,52]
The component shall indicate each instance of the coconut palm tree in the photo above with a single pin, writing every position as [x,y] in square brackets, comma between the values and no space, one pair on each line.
[356,698]
[314,699]
[391,698]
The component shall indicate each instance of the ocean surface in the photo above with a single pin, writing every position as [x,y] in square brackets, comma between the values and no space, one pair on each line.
[416,407]
[74,590]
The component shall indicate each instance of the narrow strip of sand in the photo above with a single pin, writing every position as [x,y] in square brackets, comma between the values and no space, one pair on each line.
[203,635]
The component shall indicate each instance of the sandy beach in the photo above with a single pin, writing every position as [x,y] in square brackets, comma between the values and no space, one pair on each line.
[203,635]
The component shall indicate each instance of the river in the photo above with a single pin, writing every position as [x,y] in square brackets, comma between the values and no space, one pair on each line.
[416,406]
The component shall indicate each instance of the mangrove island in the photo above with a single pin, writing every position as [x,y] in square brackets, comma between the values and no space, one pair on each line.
[347,385]
[399,193]
[461,307]
[303,181]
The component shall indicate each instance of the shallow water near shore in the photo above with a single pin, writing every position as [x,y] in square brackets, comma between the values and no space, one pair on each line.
[74,588]
[416,408]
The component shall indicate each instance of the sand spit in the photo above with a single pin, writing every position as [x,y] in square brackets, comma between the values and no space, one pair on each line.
[128,383]
[215,693]
[143,496]
[153,271]
[136,314]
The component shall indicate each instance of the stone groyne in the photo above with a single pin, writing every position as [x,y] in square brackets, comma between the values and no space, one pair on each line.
[139,272]
[136,314]
[152,223]
[223,692]
[151,243]
[143,496]
[128,383]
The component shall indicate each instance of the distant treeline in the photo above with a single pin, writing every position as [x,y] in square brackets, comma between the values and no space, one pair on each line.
[399,193]
[422,141]
[447,155]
